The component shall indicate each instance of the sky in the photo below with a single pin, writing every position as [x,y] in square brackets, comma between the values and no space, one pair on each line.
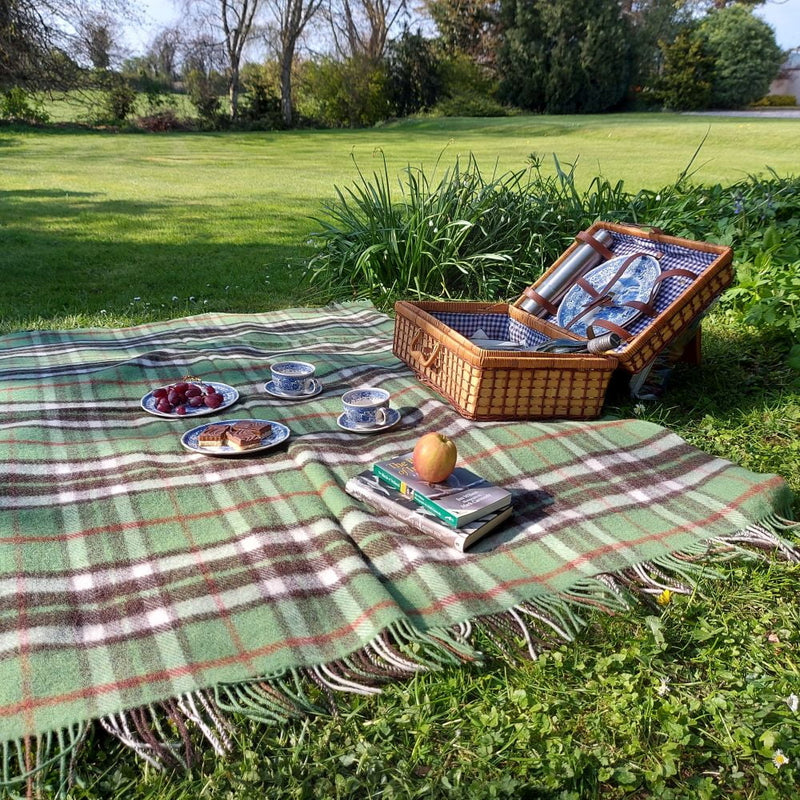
[782,15]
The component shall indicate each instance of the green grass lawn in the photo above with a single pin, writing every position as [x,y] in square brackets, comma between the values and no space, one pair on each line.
[93,221]
[107,229]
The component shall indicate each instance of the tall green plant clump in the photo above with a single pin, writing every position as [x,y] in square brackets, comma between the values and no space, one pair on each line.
[458,236]
[465,235]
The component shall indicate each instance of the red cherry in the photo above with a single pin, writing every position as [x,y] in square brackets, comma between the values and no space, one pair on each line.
[213,400]
[180,410]
[159,393]
[195,401]
[193,391]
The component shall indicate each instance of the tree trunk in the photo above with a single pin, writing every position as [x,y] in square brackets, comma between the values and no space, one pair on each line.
[286,88]
[233,94]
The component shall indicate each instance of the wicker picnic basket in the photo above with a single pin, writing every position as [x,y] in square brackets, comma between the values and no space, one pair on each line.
[434,338]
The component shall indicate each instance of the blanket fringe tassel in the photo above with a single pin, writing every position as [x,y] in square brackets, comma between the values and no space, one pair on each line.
[171,734]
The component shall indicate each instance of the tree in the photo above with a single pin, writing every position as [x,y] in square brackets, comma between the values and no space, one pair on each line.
[291,18]
[414,73]
[96,41]
[685,82]
[746,57]
[467,26]
[237,21]
[564,56]
[654,25]
[234,20]
[36,35]
[163,53]
[361,27]
[203,54]
[30,43]
[699,8]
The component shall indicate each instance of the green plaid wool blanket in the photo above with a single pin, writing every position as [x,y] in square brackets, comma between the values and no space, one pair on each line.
[161,593]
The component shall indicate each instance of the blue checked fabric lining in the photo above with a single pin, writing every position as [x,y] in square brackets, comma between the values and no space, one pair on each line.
[495,326]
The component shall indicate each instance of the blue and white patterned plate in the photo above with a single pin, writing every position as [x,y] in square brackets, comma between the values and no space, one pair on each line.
[229,397]
[392,418]
[636,283]
[278,433]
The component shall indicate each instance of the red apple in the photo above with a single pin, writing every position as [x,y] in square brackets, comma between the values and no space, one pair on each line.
[434,457]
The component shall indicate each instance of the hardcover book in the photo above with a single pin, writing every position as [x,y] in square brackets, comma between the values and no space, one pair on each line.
[384,499]
[463,497]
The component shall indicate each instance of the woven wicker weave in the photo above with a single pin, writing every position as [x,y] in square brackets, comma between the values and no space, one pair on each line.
[432,338]
[493,384]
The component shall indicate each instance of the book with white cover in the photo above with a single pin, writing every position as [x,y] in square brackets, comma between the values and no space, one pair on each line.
[383,498]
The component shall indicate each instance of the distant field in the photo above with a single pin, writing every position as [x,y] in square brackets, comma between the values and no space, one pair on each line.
[83,107]
[110,227]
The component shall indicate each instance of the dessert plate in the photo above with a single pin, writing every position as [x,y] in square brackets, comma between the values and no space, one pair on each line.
[392,418]
[229,397]
[278,433]
[269,388]
[636,283]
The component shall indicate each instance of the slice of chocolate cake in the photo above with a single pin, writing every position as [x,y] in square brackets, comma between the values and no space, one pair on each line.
[261,428]
[246,435]
[213,436]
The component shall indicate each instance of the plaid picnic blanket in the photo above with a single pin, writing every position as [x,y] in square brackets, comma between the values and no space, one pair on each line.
[142,584]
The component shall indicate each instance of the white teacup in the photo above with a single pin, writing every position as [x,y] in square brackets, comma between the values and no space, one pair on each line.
[366,407]
[294,377]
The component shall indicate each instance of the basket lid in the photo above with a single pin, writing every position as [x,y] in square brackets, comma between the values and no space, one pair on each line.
[692,274]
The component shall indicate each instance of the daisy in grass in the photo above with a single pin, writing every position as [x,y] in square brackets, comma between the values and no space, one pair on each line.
[793,701]
[779,759]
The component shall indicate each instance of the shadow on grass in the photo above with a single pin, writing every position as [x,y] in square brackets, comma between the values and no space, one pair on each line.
[741,370]
[80,253]
[49,275]
[23,208]
[10,196]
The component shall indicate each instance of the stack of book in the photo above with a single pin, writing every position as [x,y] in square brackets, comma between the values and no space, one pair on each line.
[458,511]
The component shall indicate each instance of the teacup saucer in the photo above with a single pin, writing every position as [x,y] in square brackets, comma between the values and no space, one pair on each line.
[392,418]
[269,388]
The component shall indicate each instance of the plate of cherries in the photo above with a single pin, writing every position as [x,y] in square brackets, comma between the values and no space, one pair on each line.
[189,398]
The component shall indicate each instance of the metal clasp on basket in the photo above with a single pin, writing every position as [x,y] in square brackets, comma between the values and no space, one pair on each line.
[425,361]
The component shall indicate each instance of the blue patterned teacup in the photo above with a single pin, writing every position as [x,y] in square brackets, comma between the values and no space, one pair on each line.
[367,407]
[294,377]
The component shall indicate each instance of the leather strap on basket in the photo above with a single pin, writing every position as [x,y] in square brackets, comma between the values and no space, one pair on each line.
[676,272]
[607,325]
[601,297]
[531,293]
[645,308]
[587,238]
